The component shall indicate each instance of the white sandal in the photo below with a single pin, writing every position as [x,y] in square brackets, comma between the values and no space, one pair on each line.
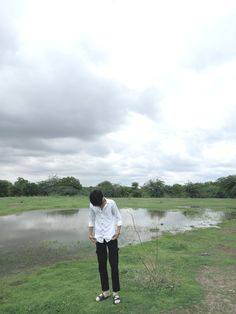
[116,299]
[101,297]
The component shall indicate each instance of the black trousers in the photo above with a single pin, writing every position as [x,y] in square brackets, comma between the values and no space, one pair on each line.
[108,249]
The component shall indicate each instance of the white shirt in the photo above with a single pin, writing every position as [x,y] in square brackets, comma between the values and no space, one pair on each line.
[105,220]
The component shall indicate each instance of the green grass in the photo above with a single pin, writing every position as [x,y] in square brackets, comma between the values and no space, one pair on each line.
[71,287]
[11,205]
[170,285]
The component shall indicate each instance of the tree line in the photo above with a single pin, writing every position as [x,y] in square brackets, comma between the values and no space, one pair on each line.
[224,187]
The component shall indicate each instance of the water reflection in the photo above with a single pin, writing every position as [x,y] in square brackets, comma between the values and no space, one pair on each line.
[231,215]
[144,224]
[36,226]
[156,213]
[67,226]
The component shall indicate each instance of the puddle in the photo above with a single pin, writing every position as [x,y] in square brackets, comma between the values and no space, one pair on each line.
[38,238]
[66,226]
[149,224]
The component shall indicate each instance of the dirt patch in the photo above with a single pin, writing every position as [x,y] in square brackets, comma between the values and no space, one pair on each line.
[26,260]
[229,230]
[220,289]
[228,250]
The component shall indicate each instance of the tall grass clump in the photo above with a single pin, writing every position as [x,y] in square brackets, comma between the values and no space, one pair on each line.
[152,274]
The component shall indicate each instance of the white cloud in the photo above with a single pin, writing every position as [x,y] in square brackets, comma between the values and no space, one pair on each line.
[117,90]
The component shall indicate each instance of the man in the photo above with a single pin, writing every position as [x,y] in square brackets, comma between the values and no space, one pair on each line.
[104,230]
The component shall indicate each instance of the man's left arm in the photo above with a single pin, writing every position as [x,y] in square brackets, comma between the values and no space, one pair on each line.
[118,221]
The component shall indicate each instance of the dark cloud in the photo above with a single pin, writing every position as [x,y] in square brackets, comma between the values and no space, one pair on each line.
[176,163]
[58,111]
[55,112]
[66,101]
[69,104]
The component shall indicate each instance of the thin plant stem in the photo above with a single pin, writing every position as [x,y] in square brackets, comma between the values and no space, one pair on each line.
[152,271]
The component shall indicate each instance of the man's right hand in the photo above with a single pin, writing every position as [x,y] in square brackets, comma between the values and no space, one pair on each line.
[92,239]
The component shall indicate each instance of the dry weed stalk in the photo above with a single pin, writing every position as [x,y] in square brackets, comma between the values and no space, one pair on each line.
[150,264]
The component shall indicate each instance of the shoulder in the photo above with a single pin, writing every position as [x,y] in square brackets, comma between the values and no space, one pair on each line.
[110,201]
[111,204]
[91,207]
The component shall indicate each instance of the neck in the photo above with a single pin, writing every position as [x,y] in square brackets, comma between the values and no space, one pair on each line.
[103,203]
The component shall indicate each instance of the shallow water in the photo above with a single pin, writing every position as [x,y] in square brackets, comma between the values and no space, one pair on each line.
[39,238]
[29,229]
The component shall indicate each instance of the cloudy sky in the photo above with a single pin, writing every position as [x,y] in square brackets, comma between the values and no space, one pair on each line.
[118,90]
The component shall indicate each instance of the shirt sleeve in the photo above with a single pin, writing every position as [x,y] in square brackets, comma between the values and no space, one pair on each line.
[91,216]
[117,214]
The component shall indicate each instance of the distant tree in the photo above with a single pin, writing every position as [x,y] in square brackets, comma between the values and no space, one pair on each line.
[135,185]
[120,191]
[31,189]
[135,190]
[49,186]
[106,187]
[227,186]
[222,187]
[177,190]
[192,189]
[71,181]
[23,187]
[136,193]
[20,187]
[209,189]
[85,191]
[69,186]
[5,188]
[168,190]
[154,188]
[55,186]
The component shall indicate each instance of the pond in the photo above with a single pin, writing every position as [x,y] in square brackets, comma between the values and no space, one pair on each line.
[43,237]
[71,225]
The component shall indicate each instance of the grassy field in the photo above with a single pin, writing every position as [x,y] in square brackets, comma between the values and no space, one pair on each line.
[191,272]
[11,205]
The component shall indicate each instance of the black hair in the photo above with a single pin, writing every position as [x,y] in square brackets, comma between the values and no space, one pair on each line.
[96,197]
